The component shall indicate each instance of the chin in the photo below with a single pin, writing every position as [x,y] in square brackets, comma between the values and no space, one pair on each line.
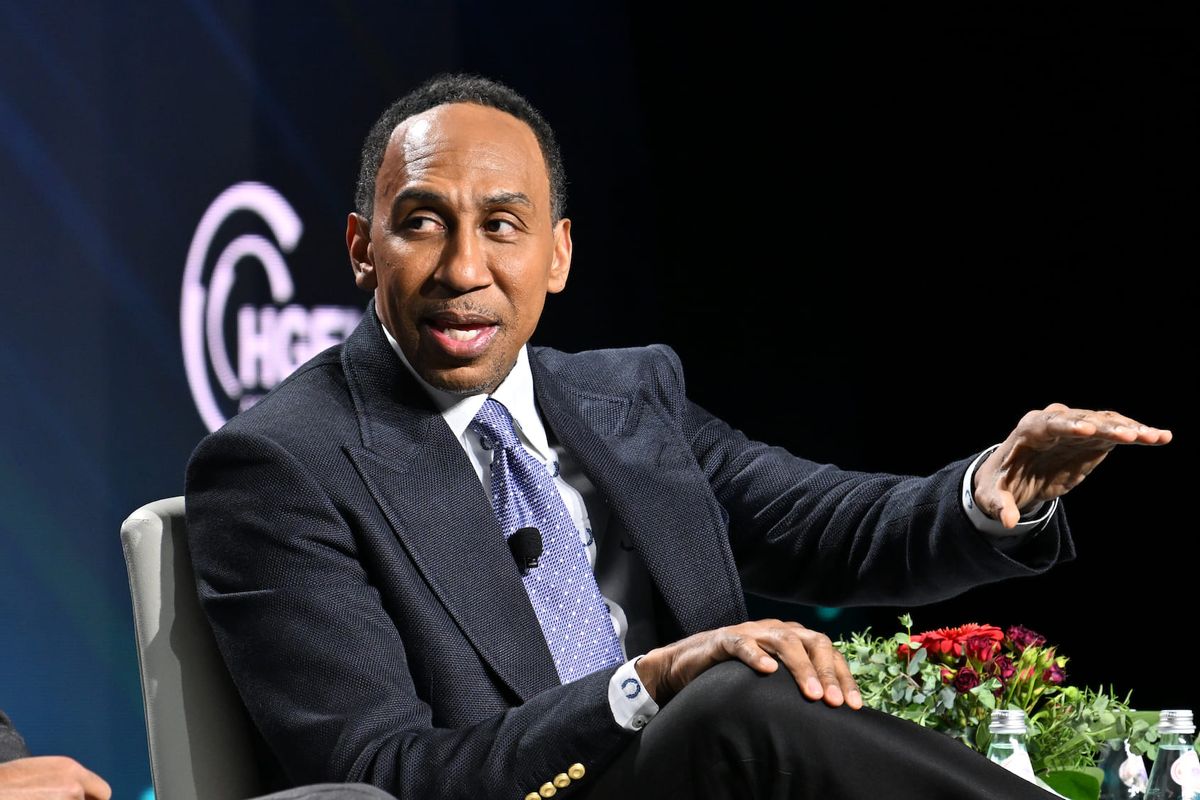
[464,381]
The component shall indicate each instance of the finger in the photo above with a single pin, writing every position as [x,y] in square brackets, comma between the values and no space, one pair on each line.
[94,787]
[741,644]
[1108,425]
[999,504]
[827,661]
[794,656]
[1080,424]
[806,654]
[1149,435]
[848,684]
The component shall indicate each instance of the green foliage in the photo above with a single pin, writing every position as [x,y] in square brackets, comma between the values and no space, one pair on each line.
[915,678]
[1077,784]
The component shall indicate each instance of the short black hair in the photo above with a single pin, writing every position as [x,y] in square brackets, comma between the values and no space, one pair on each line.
[458,88]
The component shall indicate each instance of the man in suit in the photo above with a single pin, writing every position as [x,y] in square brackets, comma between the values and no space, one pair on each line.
[351,532]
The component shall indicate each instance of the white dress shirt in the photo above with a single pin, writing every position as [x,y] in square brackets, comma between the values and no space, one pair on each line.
[631,704]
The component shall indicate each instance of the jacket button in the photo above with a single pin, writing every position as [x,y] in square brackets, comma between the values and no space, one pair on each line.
[561,780]
[547,790]
[533,796]
[576,771]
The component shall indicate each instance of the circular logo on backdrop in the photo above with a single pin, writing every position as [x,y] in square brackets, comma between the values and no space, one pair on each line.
[236,349]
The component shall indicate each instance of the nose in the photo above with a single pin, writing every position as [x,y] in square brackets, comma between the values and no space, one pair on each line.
[463,265]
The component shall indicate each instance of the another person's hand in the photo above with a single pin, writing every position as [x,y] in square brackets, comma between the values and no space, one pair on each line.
[1049,453]
[819,669]
[50,778]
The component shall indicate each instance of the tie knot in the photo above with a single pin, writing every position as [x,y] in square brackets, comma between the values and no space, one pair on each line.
[495,425]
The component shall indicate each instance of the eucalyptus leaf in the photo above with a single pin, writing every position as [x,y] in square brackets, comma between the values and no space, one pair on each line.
[1075,784]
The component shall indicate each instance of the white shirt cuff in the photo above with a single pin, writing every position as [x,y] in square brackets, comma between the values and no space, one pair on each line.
[632,706]
[994,528]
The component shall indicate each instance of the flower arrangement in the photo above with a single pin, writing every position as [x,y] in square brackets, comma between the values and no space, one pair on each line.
[951,679]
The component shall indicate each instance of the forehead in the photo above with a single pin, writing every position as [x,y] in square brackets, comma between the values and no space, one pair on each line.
[466,146]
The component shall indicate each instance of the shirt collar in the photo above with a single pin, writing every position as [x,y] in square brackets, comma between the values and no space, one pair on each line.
[515,392]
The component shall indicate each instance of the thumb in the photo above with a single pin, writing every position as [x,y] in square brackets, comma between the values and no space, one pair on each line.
[1000,504]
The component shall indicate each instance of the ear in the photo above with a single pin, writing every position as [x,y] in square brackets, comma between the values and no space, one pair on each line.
[362,256]
[560,267]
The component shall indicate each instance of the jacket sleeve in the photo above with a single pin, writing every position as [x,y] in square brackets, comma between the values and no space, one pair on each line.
[319,662]
[814,533]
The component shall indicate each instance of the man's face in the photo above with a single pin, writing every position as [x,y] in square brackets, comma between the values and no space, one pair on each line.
[461,250]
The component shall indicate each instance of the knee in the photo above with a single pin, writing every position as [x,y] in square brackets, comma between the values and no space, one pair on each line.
[733,699]
[732,693]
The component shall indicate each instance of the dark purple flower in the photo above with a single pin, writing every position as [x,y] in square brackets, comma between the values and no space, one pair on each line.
[1054,674]
[1021,637]
[966,680]
[1004,668]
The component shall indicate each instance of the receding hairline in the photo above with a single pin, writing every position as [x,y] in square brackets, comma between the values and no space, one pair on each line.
[450,89]
[497,198]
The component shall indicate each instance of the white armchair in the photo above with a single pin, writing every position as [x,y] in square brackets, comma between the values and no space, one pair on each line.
[201,740]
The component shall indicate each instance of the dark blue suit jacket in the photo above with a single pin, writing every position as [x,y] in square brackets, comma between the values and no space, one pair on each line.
[371,615]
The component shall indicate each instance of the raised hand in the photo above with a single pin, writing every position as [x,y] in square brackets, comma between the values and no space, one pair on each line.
[1049,453]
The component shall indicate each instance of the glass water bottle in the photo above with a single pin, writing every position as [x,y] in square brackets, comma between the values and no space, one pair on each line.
[1008,749]
[1176,771]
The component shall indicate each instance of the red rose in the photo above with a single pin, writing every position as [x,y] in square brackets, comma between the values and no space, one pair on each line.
[982,648]
[1003,667]
[966,680]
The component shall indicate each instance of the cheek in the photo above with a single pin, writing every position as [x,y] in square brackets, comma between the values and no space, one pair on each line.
[524,285]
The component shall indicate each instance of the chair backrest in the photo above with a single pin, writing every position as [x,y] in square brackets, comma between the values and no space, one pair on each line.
[201,740]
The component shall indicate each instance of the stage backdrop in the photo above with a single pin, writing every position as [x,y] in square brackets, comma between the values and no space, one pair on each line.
[880,255]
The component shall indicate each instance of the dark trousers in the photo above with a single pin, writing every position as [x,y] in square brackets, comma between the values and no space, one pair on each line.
[734,733]
[330,791]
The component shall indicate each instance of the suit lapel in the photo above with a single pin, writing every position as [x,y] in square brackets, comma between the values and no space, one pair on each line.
[417,472]
[646,472]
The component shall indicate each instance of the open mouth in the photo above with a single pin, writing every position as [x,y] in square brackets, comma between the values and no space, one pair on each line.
[461,335]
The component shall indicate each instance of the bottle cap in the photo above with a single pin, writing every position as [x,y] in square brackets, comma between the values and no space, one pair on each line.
[1176,720]
[1008,720]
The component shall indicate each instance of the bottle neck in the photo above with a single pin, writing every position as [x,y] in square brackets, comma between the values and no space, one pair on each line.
[1008,740]
[1176,739]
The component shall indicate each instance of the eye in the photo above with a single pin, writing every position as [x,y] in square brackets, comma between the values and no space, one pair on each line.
[420,223]
[500,225]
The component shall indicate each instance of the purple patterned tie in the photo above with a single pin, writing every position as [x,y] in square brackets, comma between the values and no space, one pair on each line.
[562,588]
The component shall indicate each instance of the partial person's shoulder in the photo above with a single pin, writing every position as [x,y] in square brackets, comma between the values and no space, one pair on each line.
[615,370]
[311,408]
[11,744]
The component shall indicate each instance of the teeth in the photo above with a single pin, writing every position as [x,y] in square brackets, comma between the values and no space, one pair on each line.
[460,335]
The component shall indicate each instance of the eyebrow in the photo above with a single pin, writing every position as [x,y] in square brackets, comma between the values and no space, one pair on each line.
[508,199]
[417,195]
[427,196]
